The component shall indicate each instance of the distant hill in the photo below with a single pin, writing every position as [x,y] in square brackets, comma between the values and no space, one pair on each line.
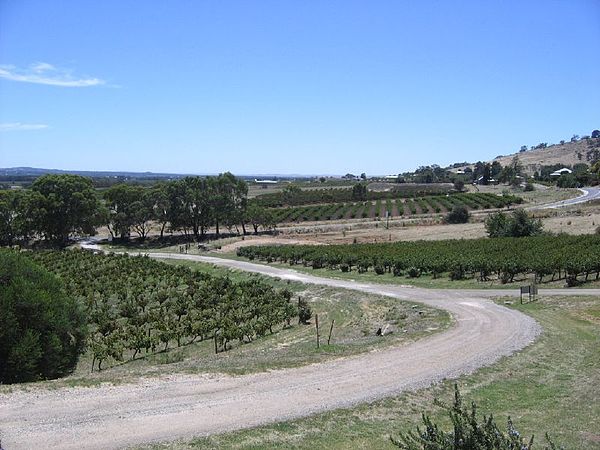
[30,173]
[36,172]
[586,150]
[570,153]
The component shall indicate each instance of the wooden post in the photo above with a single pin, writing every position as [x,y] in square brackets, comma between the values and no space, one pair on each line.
[317,324]
[330,331]
[216,350]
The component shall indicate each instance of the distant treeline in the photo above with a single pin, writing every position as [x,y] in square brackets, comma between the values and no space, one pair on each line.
[59,206]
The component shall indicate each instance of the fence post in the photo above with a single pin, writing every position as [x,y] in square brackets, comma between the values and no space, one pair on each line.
[330,331]
[317,324]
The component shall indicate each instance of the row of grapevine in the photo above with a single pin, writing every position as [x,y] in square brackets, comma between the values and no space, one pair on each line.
[396,207]
[563,256]
[136,305]
[311,196]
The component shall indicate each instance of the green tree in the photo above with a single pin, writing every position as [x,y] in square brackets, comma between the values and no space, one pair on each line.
[18,214]
[359,191]
[459,214]
[459,185]
[190,205]
[567,180]
[43,331]
[120,199]
[259,216]
[67,204]
[161,206]
[519,224]
[495,169]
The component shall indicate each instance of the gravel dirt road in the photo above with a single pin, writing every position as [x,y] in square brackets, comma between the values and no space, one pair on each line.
[175,407]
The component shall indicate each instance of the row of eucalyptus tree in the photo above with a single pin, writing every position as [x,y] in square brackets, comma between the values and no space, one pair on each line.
[58,207]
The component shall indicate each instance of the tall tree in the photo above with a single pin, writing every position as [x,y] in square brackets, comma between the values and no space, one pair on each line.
[18,215]
[67,204]
[119,200]
[161,206]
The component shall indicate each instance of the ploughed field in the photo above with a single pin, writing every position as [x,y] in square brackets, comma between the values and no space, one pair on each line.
[393,206]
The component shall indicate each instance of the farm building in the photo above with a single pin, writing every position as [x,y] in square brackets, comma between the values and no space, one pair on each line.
[560,172]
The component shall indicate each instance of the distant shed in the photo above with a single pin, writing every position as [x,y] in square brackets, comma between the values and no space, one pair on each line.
[559,172]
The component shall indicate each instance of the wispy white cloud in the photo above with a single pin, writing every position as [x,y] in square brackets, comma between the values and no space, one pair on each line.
[44,73]
[18,126]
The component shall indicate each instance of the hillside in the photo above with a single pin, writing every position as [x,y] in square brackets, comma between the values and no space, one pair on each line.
[570,153]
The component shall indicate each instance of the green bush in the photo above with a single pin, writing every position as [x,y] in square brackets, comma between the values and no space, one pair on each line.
[459,214]
[413,272]
[42,331]
[519,224]
[469,432]
[304,312]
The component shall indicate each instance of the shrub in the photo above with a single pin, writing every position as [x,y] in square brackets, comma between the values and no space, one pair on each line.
[304,312]
[42,331]
[567,180]
[379,269]
[519,224]
[413,272]
[470,432]
[459,214]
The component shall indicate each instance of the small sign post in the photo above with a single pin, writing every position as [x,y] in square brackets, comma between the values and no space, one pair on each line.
[531,291]
[525,290]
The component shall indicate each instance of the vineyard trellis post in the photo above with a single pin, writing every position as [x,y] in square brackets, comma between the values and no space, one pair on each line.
[330,331]
[317,325]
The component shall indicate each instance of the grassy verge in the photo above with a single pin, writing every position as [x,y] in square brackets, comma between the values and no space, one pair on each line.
[552,386]
[356,315]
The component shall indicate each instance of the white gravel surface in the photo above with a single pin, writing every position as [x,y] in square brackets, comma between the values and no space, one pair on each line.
[183,406]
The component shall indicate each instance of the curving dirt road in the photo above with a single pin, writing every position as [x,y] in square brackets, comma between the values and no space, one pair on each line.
[588,194]
[185,406]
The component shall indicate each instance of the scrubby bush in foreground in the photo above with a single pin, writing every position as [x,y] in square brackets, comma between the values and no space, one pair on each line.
[469,432]
[42,331]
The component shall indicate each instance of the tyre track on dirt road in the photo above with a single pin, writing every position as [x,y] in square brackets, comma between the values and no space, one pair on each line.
[184,406]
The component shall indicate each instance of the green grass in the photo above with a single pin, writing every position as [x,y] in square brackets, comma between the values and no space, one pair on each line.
[552,386]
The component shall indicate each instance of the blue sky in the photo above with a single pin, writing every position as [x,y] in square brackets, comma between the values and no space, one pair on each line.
[291,86]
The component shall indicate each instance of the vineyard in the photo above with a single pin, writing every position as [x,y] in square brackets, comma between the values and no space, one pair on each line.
[396,207]
[138,306]
[337,195]
[573,258]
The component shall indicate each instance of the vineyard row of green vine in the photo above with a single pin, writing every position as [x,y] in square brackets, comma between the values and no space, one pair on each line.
[337,195]
[138,306]
[395,207]
[574,258]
